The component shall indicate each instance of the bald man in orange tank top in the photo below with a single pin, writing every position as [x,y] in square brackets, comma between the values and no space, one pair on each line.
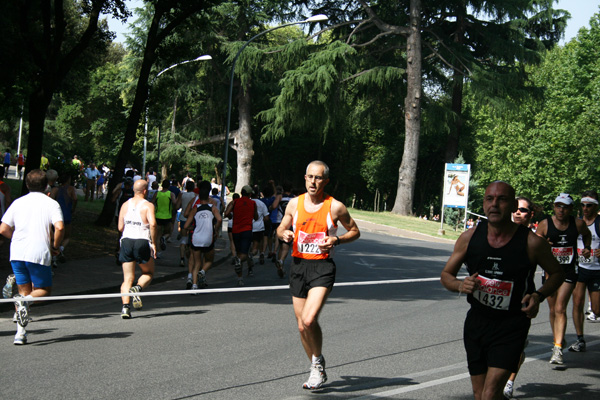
[314,217]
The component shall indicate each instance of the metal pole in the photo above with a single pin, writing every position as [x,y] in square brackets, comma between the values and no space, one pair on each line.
[315,18]
[19,145]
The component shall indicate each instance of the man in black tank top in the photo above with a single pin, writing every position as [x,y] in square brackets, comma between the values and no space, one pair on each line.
[561,231]
[501,258]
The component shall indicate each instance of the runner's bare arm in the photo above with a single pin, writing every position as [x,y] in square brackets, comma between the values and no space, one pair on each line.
[455,262]
[217,216]
[542,228]
[6,230]
[188,208]
[340,213]
[283,231]
[150,214]
[59,233]
[229,208]
[122,213]
[190,217]
[586,236]
[540,254]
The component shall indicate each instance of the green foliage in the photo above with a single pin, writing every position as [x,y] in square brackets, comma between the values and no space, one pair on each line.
[550,145]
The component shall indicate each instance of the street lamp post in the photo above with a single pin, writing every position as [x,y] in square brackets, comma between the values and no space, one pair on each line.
[201,58]
[315,18]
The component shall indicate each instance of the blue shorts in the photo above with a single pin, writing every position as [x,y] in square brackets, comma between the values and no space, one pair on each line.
[27,272]
[242,242]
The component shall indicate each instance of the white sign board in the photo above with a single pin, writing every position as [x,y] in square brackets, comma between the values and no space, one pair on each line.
[456,185]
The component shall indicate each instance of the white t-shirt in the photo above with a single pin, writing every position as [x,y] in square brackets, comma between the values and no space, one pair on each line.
[31,216]
[263,211]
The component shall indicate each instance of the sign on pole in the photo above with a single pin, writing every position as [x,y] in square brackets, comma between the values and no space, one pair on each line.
[456,188]
[456,185]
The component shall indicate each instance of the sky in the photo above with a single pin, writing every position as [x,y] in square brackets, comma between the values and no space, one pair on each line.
[581,12]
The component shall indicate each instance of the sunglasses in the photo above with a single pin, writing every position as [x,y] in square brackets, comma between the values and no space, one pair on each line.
[584,205]
[523,210]
[560,205]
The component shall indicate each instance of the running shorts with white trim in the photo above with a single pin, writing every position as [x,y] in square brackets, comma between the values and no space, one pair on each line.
[570,274]
[493,342]
[27,272]
[591,278]
[137,250]
[308,274]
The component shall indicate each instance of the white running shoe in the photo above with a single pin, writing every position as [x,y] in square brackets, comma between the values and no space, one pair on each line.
[592,317]
[20,338]
[508,390]
[22,310]
[317,376]
[557,356]
[136,301]
[578,347]
[7,291]
[202,279]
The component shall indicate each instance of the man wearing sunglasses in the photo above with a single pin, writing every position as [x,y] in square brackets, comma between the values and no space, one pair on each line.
[561,230]
[589,268]
[501,258]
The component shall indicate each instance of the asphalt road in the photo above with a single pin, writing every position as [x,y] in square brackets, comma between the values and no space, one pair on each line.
[391,331]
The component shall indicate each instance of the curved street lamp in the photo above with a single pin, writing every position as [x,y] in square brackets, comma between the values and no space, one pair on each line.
[201,58]
[314,18]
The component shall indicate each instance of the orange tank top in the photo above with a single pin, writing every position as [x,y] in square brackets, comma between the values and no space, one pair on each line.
[311,228]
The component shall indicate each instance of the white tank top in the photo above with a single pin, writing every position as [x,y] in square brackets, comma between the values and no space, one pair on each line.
[592,262]
[203,233]
[134,227]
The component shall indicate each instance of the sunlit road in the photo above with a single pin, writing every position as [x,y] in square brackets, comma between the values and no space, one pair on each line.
[401,338]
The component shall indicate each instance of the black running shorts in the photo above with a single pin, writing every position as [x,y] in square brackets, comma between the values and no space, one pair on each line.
[494,343]
[307,274]
[137,250]
[570,274]
[591,278]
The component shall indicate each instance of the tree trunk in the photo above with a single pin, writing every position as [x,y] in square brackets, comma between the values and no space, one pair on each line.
[39,101]
[412,109]
[457,94]
[243,141]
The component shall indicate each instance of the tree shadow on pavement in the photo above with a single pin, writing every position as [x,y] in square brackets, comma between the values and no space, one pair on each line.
[557,391]
[83,336]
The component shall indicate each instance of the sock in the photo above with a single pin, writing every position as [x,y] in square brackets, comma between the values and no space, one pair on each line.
[125,305]
[189,276]
[194,287]
[317,360]
[580,337]
[510,383]
[20,329]
[202,272]
[559,345]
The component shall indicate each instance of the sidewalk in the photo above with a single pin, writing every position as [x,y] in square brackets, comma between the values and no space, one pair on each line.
[104,275]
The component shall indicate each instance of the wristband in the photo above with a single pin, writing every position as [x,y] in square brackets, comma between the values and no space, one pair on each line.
[540,295]
[338,241]
[588,247]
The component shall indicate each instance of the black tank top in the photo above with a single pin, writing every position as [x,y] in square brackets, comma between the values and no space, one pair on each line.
[506,274]
[564,243]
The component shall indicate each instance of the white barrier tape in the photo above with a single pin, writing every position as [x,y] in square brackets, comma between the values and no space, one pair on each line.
[209,291]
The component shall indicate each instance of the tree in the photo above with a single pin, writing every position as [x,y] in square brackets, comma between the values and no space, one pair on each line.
[53,35]
[550,144]
[167,15]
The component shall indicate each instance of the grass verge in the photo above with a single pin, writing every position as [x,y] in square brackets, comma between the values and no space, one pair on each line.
[87,239]
[413,224]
